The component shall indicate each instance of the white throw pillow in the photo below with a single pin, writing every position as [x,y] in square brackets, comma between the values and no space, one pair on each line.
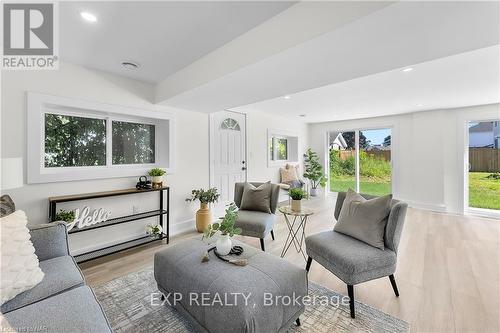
[19,265]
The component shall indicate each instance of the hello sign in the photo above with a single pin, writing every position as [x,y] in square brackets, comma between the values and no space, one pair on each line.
[84,218]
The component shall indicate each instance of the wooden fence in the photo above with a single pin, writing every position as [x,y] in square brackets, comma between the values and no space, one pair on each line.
[384,154]
[484,159]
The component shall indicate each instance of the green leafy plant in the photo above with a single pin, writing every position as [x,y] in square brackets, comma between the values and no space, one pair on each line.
[156,172]
[297,193]
[154,229]
[313,169]
[226,224]
[65,215]
[208,196]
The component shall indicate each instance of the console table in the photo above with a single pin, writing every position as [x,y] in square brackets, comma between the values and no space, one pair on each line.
[161,212]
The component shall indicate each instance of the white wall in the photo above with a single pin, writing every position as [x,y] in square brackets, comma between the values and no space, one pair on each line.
[427,151]
[77,82]
[257,125]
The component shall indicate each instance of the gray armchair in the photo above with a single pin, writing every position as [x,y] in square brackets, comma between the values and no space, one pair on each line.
[254,223]
[354,261]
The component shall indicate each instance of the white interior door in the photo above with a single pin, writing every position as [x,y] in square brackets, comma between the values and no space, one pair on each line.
[227,152]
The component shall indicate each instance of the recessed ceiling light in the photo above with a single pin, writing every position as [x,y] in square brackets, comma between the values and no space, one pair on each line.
[287,97]
[407,69]
[302,115]
[130,65]
[88,16]
[420,104]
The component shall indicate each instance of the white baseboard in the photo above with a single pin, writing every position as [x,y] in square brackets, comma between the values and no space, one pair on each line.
[181,227]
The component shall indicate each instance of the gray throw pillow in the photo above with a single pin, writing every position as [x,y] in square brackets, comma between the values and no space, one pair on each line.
[364,219]
[256,198]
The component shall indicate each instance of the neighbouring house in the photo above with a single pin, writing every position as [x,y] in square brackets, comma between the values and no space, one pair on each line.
[337,141]
[481,135]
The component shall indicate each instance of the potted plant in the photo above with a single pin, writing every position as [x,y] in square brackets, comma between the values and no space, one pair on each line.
[154,230]
[314,171]
[297,194]
[203,215]
[65,215]
[157,177]
[226,228]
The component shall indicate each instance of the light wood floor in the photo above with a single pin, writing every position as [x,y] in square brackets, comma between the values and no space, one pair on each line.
[447,274]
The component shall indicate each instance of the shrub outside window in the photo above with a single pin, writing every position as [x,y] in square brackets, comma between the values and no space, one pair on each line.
[76,141]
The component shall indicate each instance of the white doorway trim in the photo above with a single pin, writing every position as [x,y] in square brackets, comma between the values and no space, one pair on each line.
[467,210]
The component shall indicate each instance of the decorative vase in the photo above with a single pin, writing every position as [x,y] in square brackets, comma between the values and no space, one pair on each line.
[223,245]
[203,217]
[296,205]
[157,181]
[314,192]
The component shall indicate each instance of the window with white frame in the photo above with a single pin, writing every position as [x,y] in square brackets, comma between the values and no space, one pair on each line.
[74,141]
[283,146]
[85,140]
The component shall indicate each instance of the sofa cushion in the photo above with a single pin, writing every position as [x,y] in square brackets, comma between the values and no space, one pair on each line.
[257,198]
[364,219]
[61,274]
[255,224]
[76,310]
[351,260]
[19,265]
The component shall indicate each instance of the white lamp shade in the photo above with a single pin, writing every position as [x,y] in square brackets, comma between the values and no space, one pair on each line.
[12,173]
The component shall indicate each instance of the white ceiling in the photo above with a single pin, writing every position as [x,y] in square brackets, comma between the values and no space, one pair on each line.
[401,34]
[470,78]
[163,37]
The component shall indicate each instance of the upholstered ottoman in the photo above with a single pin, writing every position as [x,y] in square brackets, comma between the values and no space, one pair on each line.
[263,296]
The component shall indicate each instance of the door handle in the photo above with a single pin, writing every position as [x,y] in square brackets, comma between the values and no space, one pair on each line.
[243,168]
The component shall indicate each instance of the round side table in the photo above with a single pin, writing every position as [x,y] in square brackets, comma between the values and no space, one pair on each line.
[296,228]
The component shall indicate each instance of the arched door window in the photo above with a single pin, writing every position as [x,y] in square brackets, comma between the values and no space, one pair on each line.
[230,124]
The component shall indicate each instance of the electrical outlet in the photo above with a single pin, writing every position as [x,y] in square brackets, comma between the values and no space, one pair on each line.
[135,209]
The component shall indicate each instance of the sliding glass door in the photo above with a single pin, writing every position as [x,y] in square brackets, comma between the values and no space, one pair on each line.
[361,160]
[484,165]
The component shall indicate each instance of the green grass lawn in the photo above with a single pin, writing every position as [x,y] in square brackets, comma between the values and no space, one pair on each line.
[483,192]
[367,185]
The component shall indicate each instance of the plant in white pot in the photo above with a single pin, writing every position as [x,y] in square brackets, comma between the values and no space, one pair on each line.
[154,230]
[156,175]
[226,229]
[297,194]
[314,171]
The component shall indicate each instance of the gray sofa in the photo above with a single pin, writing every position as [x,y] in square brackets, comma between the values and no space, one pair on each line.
[61,302]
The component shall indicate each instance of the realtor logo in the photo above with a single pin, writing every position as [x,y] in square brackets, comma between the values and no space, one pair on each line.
[29,36]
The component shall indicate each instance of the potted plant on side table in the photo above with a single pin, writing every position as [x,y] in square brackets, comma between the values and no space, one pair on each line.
[226,228]
[314,171]
[297,194]
[156,175]
[204,215]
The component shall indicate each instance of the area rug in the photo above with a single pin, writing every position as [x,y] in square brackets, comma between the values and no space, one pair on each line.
[127,304]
